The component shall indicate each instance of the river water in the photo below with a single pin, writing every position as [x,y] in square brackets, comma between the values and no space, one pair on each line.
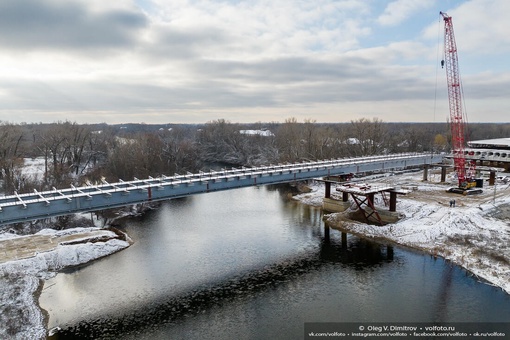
[252,264]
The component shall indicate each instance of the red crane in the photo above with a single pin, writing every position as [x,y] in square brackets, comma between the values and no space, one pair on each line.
[457,117]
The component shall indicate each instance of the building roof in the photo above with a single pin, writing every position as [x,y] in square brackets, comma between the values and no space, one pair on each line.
[498,143]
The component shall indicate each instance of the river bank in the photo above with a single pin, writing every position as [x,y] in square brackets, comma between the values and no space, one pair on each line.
[475,234]
[29,260]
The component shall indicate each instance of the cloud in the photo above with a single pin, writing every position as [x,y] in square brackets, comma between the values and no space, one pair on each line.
[268,28]
[233,59]
[169,42]
[400,10]
[225,84]
[483,26]
[32,25]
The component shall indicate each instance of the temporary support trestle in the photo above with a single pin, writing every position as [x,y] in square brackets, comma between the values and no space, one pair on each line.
[367,201]
[364,197]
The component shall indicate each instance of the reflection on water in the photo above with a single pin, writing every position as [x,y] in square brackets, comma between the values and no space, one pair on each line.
[252,264]
[358,254]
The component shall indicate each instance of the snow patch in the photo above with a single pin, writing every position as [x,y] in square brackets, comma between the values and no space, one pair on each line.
[20,280]
[265,133]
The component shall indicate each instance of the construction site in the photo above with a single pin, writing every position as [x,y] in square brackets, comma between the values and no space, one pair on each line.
[474,166]
[473,232]
[459,210]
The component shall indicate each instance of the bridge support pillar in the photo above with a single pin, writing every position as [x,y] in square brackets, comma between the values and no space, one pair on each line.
[344,240]
[443,174]
[425,172]
[492,178]
[328,189]
[345,196]
[389,253]
[393,201]
[326,232]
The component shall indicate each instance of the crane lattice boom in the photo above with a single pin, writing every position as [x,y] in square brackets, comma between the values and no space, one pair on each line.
[457,117]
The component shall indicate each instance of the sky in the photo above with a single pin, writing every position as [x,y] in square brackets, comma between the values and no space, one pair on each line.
[194,61]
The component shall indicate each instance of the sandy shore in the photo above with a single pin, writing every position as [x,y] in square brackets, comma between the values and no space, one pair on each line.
[26,261]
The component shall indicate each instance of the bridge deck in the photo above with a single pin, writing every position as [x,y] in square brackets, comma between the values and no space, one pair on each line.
[37,205]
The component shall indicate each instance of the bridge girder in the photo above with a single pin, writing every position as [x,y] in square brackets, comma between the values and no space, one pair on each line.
[39,205]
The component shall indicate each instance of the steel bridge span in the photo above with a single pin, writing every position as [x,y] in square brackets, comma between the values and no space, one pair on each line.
[39,205]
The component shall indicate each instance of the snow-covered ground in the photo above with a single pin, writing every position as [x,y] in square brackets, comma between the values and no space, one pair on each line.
[33,168]
[474,234]
[20,280]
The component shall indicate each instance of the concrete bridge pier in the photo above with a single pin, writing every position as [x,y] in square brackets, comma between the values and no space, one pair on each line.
[443,174]
[389,253]
[425,172]
[492,178]
[393,201]
[345,197]
[331,204]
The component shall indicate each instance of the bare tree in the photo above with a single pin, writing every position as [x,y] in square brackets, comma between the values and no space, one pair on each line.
[68,150]
[289,141]
[125,159]
[221,141]
[77,141]
[11,156]
[180,152]
[52,145]
[369,135]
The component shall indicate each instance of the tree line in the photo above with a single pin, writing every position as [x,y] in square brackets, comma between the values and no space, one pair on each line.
[82,154]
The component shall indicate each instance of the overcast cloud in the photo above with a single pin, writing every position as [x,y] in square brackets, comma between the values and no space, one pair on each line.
[180,61]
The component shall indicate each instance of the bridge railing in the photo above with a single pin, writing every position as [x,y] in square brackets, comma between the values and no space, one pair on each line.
[143,184]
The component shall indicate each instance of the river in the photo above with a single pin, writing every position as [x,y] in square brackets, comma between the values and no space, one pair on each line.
[253,264]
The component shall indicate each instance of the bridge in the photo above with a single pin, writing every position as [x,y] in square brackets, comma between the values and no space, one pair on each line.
[58,202]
